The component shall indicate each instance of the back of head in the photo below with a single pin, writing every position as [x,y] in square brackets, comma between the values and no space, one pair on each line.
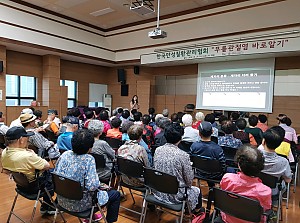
[187,120]
[98,110]
[158,117]
[116,122]
[125,114]
[253,120]
[174,117]
[163,122]
[89,114]
[250,160]
[227,127]
[199,116]
[146,119]
[205,129]
[210,118]
[234,116]
[286,120]
[222,118]
[82,141]
[135,132]
[120,110]
[262,118]
[165,112]
[151,111]
[273,137]
[96,127]
[280,117]
[241,123]
[133,111]
[103,115]
[126,125]
[76,112]
[137,116]
[38,113]
[173,132]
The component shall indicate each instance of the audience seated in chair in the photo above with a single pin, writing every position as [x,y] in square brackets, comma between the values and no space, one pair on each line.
[246,182]
[208,149]
[170,159]
[104,118]
[290,133]
[78,165]
[115,131]
[17,121]
[262,122]
[211,118]
[64,140]
[255,133]
[160,139]
[133,151]
[102,148]
[53,125]
[284,148]
[17,158]
[228,140]
[190,134]
[275,165]
[221,119]
[240,133]
[199,117]
[45,146]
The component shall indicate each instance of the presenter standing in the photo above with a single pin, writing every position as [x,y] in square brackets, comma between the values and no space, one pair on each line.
[134,103]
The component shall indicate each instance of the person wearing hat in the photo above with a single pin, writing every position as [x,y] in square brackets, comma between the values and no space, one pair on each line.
[37,139]
[207,148]
[64,140]
[17,121]
[18,158]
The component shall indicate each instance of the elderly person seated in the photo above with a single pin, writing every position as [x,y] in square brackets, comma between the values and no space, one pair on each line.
[170,159]
[246,182]
[64,140]
[199,118]
[228,140]
[101,147]
[133,151]
[78,165]
[190,134]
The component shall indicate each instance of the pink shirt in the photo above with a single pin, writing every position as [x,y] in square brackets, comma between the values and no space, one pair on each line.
[251,187]
[106,126]
[262,126]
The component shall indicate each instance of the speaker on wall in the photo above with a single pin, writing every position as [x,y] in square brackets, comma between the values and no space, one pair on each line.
[1,66]
[136,69]
[124,90]
[121,76]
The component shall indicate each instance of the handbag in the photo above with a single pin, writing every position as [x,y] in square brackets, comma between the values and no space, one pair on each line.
[199,218]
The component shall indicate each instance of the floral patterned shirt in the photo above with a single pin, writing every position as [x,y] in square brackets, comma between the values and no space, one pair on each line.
[80,168]
[229,141]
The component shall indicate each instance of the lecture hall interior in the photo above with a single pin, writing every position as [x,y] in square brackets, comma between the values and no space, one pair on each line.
[67,53]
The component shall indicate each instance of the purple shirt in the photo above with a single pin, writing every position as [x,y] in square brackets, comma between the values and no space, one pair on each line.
[290,133]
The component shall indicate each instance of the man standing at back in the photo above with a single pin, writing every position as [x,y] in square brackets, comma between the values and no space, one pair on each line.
[206,148]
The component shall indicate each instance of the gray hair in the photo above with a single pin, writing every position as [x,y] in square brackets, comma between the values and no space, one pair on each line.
[96,127]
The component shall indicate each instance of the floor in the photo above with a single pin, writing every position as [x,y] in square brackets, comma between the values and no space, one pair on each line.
[24,208]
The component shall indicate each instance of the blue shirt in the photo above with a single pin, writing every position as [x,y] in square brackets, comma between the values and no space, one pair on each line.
[229,141]
[64,141]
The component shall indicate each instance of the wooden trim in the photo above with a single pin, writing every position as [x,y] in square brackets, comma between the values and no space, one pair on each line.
[190,11]
[211,37]
[27,4]
[54,20]
[201,16]
[54,35]
[36,46]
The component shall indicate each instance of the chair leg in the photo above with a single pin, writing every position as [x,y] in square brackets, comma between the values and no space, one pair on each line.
[35,205]
[102,213]
[182,212]
[55,206]
[296,177]
[288,195]
[144,211]
[12,208]
[214,216]
[132,196]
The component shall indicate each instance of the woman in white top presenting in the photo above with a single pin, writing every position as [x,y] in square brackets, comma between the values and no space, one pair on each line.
[134,103]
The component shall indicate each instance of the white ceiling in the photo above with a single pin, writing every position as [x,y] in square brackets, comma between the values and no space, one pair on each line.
[118,11]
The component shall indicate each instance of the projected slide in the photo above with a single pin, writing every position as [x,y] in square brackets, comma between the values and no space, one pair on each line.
[240,89]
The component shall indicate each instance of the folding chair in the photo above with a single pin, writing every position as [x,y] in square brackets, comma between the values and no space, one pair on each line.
[62,187]
[229,155]
[114,143]
[273,182]
[185,146]
[237,206]
[132,169]
[156,181]
[27,190]
[101,163]
[207,166]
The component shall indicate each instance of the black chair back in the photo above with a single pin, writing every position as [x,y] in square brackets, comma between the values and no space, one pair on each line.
[214,139]
[2,141]
[185,146]
[114,143]
[99,159]
[20,179]
[238,206]
[130,168]
[67,188]
[161,181]
[229,152]
[51,136]
[206,164]
[268,180]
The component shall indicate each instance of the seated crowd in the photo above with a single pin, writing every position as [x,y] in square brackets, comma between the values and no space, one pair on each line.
[154,141]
